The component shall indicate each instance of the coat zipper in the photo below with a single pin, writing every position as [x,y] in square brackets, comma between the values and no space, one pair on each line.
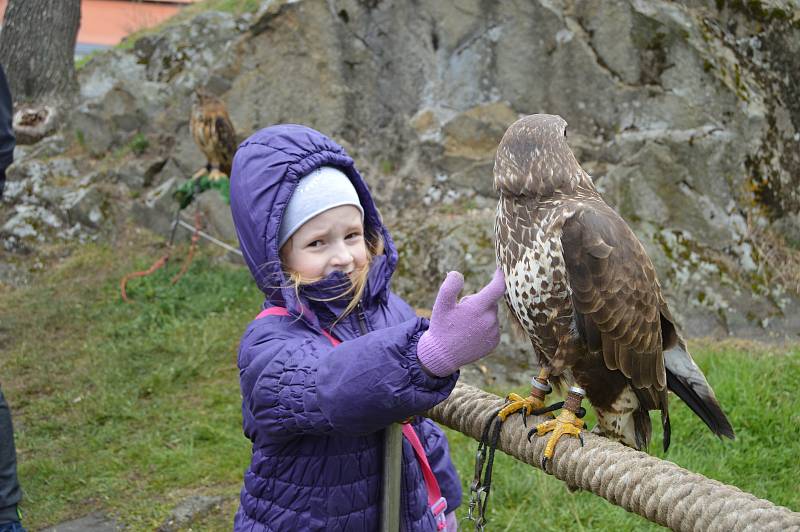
[362,319]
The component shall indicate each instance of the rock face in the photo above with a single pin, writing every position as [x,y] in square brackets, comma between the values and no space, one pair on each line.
[687,115]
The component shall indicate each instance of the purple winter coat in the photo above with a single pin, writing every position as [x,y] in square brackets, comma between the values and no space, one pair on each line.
[315,413]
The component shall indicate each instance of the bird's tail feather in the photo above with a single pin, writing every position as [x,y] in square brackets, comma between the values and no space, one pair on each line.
[641,417]
[642,428]
[667,429]
[685,379]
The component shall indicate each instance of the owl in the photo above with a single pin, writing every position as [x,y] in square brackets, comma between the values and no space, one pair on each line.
[213,132]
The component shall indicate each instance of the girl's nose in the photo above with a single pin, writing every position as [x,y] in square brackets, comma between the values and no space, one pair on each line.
[342,255]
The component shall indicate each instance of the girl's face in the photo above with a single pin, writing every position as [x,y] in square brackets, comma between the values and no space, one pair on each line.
[331,241]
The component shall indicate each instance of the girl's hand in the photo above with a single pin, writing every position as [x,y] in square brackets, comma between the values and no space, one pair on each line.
[462,331]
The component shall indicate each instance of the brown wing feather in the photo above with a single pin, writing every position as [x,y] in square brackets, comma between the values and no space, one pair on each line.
[226,138]
[614,290]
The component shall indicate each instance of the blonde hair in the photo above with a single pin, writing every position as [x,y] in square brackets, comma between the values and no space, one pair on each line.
[375,247]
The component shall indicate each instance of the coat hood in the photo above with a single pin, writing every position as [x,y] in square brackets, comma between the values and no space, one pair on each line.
[266,169]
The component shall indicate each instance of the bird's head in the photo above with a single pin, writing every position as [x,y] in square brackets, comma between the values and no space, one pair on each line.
[534,159]
[202,95]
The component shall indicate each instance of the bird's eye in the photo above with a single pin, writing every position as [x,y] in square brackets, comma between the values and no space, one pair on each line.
[565,132]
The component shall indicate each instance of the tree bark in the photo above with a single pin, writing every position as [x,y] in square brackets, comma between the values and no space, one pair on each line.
[37,49]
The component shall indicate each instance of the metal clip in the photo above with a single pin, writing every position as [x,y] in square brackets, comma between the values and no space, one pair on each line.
[482,496]
[480,456]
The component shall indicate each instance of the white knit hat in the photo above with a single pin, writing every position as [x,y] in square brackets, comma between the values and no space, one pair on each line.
[323,189]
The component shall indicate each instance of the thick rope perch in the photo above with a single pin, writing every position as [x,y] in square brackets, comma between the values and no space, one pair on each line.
[659,491]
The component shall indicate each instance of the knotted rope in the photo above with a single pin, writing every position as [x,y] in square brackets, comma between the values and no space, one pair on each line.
[656,489]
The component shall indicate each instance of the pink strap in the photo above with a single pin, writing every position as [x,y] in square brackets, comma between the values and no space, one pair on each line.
[437,503]
[272,311]
[280,311]
[330,337]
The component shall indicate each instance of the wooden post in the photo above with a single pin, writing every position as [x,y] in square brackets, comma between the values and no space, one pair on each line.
[392,471]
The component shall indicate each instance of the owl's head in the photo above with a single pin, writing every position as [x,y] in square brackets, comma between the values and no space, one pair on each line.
[534,159]
[202,95]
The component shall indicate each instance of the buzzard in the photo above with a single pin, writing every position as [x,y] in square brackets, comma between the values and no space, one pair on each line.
[582,287]
[214,134]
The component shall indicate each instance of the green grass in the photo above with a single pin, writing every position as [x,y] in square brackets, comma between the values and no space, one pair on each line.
[129,408]
[121,406]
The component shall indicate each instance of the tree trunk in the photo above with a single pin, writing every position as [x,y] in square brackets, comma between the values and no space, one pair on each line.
[37,49]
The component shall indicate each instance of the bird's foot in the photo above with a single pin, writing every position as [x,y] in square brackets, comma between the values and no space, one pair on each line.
[215,175]
[200,173]
[515,403]
[566,423]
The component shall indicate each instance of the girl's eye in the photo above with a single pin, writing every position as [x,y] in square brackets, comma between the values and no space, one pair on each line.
[352,235]
[315,244]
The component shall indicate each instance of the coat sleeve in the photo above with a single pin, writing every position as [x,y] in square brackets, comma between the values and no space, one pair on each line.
[294,382]
[438,452]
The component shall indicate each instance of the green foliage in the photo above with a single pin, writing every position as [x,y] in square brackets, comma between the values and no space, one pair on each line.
[139,144]
[236,7]
[387,167]
[83,61]
[758,10]
[80,137]
[186,193]
[129,408]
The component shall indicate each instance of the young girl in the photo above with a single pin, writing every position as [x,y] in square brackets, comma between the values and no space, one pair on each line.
[336,356]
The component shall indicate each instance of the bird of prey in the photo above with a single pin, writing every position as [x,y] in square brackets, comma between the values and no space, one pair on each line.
[583,289]
[214,134]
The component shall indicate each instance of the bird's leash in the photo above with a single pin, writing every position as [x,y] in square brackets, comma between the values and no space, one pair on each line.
[164,259]
[482,481]
[484,462]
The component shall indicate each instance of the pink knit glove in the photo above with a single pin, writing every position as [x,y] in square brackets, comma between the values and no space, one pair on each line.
[463,332]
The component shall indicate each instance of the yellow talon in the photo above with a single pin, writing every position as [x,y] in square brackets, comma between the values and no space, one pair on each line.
[516,403]
[216,175]
[565,423]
